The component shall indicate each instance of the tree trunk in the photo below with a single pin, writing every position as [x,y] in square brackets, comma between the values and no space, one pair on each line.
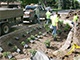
[7,3]
[0,4]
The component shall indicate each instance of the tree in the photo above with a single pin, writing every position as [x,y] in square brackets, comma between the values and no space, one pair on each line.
[7,1]
[26,2]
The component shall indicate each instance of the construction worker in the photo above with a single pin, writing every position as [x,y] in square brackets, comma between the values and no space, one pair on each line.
[48,14]
[75,19]
[37,14]
[54,20]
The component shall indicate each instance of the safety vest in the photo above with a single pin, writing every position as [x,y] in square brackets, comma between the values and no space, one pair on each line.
[75,18]
[48,15]
[54,20]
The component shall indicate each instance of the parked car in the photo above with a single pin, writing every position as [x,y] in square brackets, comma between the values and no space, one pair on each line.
[29,13]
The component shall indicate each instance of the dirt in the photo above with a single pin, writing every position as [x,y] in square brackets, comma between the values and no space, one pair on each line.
[38,45]
[70,15]
[16,37]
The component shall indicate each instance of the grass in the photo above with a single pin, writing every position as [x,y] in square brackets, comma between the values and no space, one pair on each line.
[55,9]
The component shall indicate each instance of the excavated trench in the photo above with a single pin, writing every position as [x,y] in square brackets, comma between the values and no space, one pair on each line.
[58,49]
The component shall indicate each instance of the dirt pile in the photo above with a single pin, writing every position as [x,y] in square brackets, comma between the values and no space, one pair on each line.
[71,14]
[37,45]
[78,32]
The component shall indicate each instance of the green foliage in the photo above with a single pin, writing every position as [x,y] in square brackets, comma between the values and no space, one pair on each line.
[67,27]
[36,35]
[23,43]
[67,4]
[14,48]
[5,54]
[59,31]
[28,39]
[60,23]
[13,59]
[27,32]
[33,52]
[26,2]
[47,27]
[47,43]
[40,33]
[32,37]
[33,29]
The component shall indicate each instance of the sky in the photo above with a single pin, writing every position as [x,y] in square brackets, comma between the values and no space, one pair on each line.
[79,0]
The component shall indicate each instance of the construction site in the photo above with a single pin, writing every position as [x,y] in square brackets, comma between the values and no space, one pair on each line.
[33,39]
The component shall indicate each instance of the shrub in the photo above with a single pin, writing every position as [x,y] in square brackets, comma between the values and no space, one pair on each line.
[27,32]
[5,54]
[33,52]
[32,37]
[60,23]
[67,27]
[40,33]
[59,31]
[13,59]
[28,39]
[23,43]
[47,28]
[14,48]
[47,43]
[36,35]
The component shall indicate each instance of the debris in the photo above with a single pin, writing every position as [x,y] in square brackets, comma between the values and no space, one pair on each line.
[40,56]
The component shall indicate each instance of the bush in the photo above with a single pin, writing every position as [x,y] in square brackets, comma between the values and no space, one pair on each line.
[60,23]
[5,54]
[28,39]
[66,28]
[40,33]
[36,35]
[27,32]
[59,31]
[33,52]
[47,43]
[23,43]
[13,59]
[14,48]
[32,37]
[47,27]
